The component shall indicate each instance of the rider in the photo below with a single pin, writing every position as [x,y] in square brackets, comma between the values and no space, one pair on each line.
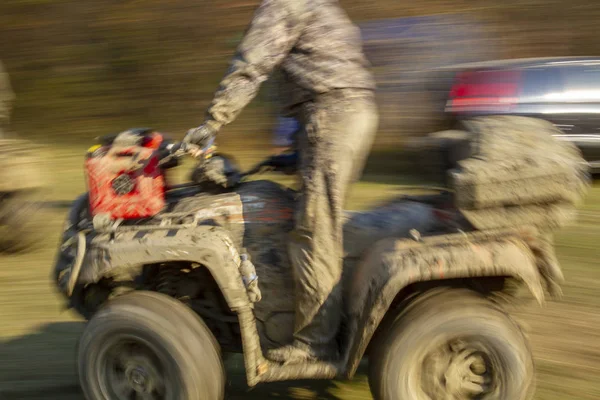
[6,98]
[331,92]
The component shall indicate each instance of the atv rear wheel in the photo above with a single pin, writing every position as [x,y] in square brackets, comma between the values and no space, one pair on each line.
[453,345]
[21,227]
[147,345]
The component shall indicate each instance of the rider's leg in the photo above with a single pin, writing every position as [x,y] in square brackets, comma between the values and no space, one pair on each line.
[334,146]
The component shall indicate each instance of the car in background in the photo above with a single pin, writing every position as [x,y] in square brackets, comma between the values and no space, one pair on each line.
[563,91]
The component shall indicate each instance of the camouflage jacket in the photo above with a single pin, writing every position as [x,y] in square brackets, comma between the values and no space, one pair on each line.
[313,42]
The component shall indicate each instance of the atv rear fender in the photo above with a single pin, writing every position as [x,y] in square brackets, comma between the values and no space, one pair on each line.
[392,265]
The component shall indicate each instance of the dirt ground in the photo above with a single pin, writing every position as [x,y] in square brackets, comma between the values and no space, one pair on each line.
[38,336]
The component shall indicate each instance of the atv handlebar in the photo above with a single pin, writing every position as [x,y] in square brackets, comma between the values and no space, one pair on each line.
[285,162]
[180,149]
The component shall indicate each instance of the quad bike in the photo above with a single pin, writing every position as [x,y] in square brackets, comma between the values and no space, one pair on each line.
[21,188]
[21,181]
[172,278]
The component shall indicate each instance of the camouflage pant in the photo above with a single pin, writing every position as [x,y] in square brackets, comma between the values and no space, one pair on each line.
[338,135]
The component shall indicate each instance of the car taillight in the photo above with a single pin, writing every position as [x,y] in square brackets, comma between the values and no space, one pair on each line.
[484,91]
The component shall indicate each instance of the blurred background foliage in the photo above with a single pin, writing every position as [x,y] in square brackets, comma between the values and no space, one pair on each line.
[81,68]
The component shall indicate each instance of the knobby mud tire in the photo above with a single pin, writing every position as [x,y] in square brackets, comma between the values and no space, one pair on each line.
[184,346]
[22,226]
[397,364]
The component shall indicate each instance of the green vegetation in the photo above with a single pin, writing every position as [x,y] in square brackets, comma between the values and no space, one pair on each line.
[84,67]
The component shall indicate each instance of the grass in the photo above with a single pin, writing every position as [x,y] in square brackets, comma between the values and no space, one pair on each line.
[38,336]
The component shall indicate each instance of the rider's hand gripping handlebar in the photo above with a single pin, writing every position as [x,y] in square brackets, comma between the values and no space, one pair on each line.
[180,149]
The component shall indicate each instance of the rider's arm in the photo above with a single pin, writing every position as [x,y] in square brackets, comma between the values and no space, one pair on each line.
[271,35]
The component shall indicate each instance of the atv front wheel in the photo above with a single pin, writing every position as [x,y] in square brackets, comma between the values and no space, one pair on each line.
[454,345]
[147,345]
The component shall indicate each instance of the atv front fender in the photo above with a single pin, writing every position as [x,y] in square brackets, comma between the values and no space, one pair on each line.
[129,251]
[394,264]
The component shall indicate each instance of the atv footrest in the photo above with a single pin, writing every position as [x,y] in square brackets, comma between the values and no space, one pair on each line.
[313,370]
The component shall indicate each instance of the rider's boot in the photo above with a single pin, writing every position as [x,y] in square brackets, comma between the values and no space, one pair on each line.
[299,352]
[316,338]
